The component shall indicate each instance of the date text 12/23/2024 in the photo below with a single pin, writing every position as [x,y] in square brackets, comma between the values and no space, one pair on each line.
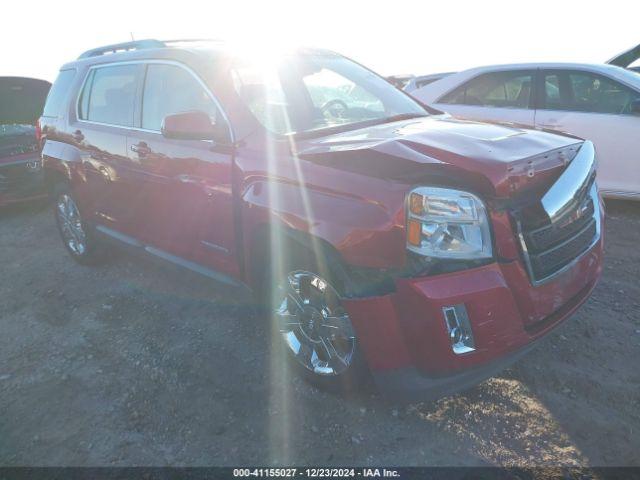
[316,472]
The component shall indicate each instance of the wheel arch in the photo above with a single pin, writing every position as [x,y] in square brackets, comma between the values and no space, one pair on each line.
[357,230]
[59,161]
[52,177]
[263,251]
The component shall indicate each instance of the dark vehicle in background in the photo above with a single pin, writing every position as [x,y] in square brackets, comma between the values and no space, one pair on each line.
[410,83]
[422,80]
[384,237]
[21,103]
[627,59]
[399,81]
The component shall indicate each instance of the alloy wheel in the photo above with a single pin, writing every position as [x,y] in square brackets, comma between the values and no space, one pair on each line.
[314,325]
[71,224]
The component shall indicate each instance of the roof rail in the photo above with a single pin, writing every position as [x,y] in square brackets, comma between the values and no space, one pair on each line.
[116,47]
[190,40]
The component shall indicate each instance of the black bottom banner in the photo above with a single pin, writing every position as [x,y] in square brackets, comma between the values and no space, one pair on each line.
[402,473]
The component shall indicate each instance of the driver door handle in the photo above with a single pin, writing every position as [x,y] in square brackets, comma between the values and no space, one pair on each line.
[195,181]
[141,149]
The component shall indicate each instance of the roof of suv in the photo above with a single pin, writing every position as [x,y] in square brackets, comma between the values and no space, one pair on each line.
[151,48]
[144,49]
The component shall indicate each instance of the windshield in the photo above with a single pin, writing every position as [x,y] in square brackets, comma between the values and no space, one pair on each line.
[312,92]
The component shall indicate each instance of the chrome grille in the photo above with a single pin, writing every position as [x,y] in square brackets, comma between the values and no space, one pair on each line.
[573,221]
[550,249]
[548,262]
[548,236]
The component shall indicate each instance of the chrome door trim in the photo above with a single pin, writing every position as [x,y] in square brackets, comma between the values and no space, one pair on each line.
[194,267]
[129,241]
[214,246]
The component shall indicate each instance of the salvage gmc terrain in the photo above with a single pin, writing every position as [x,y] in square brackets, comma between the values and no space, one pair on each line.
[387,239]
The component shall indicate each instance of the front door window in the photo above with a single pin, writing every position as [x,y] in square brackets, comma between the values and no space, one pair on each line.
[495,89]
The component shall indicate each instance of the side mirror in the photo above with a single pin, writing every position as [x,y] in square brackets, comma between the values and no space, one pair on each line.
[635,107]
[194,125]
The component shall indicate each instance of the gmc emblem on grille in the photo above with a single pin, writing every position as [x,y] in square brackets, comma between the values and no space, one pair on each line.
[578,214]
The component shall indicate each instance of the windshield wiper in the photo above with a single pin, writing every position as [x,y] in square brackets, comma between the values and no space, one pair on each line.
[400,117]
[357,125]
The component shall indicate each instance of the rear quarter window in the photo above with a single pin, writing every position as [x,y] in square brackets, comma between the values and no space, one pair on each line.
[109,95]
[58,93]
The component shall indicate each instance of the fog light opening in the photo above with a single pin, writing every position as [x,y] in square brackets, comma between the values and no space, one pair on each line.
[459,328]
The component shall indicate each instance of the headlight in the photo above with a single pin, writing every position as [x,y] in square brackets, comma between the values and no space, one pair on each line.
[446,223]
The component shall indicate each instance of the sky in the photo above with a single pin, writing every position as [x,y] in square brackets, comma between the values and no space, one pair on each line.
[390,37]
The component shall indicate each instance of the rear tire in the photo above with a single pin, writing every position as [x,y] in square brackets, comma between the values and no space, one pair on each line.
[78,236]
[311,329]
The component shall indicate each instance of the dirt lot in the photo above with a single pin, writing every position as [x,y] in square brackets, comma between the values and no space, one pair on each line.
[134,364]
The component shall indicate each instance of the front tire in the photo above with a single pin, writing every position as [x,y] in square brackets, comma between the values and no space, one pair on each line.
[77,235]
[312,328]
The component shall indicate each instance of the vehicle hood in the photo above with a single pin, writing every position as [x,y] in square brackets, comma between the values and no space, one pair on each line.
[494,159]
[21,104]
[22,100]
[626,58]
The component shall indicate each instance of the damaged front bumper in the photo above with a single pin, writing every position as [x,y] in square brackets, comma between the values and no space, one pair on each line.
[406,339]
[438,334]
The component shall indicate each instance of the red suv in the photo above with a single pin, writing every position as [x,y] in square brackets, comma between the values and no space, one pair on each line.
[389,240]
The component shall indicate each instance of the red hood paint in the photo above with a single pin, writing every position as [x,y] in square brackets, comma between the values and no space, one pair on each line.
[502,159]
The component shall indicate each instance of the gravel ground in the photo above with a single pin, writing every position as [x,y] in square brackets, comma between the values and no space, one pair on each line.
[135,364]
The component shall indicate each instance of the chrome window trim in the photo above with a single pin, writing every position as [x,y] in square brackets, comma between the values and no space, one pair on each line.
[147,62]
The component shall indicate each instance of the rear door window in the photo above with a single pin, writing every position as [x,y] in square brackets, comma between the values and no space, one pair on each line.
[593,93]
[496,89]
[109,95]
[586,92]
[58,93]
[171,89]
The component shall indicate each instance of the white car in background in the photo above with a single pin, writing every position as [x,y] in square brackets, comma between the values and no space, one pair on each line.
[597,102]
